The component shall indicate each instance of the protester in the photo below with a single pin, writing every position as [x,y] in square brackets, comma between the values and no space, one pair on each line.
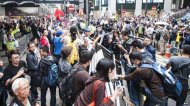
[148,79]
[16,69]
[182,72]
[32,62]
[95,86]
[3,92]
[149,47]
[43,71]
[81,75]
[21,89]
[58,44]
[64,65]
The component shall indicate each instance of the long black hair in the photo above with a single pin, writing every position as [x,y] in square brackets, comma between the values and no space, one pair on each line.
[103,67]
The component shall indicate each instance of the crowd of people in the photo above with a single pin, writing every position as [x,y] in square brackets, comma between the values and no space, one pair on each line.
[58,57]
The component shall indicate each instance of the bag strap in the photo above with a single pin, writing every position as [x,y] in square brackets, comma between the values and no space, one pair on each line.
[96,83]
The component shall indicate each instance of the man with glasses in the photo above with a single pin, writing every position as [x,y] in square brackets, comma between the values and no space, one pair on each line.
[21,89]
[14,70]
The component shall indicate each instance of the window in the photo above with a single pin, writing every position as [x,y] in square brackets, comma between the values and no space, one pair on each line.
[97,2]
[120,1]
[130,1]
[153,1]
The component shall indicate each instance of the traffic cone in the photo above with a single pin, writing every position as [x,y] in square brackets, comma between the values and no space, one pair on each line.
[168,53]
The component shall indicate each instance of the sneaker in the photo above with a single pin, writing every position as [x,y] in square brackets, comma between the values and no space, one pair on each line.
[126,99]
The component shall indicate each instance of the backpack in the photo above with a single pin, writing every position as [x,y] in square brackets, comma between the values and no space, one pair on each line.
[171,84]
[183,71]
[105,40]
[187,39]
[67,88]
[128,27]
[52,74]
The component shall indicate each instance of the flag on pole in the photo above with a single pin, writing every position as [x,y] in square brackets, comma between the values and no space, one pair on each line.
[58,13]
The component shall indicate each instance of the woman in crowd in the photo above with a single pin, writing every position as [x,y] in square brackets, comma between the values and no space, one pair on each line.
[94,91]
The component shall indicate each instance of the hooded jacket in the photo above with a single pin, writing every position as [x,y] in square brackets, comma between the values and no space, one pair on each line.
[86,96]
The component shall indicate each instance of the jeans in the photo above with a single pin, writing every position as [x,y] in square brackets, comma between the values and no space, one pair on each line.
[34,86]
[134,92]
[44,88]
[132,85]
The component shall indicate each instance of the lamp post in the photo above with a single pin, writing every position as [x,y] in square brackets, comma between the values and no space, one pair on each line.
[146,7]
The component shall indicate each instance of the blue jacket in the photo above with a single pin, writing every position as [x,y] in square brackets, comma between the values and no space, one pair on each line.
[152,51]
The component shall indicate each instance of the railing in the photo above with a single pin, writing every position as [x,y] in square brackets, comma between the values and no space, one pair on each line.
[119,70]
[23,43]
[180,14]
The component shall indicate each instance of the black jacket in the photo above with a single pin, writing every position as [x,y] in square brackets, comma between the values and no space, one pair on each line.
[17,102]
[44,63]
[32,62]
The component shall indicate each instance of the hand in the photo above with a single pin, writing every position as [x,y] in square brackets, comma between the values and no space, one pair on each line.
[118,92]
[7,82]
[126,56]
[20,72]
[121,77]
[1,63]
[119,45]
[1,74]
[37,104]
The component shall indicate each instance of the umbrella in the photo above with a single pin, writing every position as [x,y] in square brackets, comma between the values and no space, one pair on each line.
[161,23]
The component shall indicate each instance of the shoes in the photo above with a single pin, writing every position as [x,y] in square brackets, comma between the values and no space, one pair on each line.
[126,99]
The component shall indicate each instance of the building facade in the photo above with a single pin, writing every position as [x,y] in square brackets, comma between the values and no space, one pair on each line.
[139,6]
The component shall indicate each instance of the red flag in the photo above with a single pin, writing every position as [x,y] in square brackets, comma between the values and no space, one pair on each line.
[58,13]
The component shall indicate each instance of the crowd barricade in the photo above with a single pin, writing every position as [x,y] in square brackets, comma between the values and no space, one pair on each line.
[180,14]
[23,43]
[102,52]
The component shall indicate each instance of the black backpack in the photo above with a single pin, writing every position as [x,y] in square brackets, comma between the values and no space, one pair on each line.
[105,40]
[67,87]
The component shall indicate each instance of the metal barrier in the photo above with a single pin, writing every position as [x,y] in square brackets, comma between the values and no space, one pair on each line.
[180,14]
[23,43]
[111,85]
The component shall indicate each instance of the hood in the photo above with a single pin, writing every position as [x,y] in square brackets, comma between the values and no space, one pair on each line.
[91,79]
[48,60]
